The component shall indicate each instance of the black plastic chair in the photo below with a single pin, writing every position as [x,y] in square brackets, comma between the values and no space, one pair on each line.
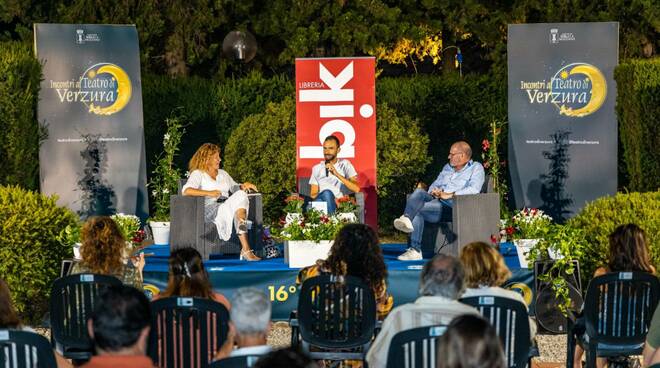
[186,332]
[511,322]
[245,361]
[618,308]
[336,318]
[415,347]
[72,300]
[25,349]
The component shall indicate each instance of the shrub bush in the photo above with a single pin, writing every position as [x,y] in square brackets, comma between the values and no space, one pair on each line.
[212,109]
[20,74]
[449,108]
[262,150]
[30,254]
[599,218]
[638,111]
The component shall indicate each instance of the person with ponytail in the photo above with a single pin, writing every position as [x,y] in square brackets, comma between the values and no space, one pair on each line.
[188,278]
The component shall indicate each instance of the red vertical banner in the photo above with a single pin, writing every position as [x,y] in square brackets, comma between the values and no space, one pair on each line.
[338,96]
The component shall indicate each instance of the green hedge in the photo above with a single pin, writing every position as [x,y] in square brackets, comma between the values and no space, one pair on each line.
[599,218]
[211,109]
[20,74]
[638,111]
[262,150]
[449,108]
[30,254]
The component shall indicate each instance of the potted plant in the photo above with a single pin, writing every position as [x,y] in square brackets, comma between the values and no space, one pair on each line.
[560,247]
[347,208]
[526,228]
[70,235]
[130,228]
[307,237]
[164,181]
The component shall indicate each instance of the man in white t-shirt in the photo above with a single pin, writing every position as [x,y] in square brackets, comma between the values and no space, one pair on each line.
[332,178]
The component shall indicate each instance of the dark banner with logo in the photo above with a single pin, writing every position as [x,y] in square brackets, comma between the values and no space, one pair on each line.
[91,105]
[562,125]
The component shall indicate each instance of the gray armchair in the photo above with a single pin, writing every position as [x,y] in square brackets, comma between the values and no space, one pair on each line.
[475,217]
[188,228]
[305,190]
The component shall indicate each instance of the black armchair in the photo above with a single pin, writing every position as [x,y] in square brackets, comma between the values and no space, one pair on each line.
[305,190]
[618,308]
[511,321]
[474,217]
[415,347]
[188,228]
[336,318]
[25,349]
[72,299]
[186,332]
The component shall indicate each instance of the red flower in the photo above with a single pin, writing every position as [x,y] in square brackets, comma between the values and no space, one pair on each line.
[493,239]
[325,219]
[485,144]
[486,165]
[510,230]
[293,197]
[282,221]
[139,236]
[344,199]
[302,223]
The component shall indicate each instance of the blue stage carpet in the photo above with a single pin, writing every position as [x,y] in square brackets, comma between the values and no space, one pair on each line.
[277,280]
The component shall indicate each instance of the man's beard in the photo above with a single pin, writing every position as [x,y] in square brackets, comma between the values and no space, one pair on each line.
[329,157]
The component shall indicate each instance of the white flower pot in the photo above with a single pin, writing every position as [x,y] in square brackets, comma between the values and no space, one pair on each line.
[160,231]
[76,251]
[303,253]
[347,216]
[523,246]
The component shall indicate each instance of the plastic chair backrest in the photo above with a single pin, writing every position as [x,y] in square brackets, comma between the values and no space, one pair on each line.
[618,307]
[186,332]
[415,347]
[336,311]
[511,322]
[72,300]
[244,361]
[25,349]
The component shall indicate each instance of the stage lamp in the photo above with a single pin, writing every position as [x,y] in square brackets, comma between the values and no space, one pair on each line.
[239,46]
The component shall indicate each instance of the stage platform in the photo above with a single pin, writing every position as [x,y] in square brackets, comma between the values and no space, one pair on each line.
[278,281]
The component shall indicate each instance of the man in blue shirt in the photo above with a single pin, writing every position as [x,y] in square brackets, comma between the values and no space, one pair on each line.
[459,177]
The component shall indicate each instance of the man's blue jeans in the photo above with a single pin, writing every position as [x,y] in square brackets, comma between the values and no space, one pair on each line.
[421,207]
[329,198]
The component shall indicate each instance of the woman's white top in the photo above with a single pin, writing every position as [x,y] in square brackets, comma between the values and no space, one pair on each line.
[199,179]
[220,214]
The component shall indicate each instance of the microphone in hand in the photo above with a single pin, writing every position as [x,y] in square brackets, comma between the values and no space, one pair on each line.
[326,167]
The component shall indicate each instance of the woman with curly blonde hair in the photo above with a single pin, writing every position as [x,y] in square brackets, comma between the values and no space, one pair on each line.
[485,273]
[225,201]
[102,252]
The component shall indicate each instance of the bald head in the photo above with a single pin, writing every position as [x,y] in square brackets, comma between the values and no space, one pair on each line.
[459,154]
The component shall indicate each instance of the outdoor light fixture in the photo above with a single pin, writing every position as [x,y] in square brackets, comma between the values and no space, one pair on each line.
[240,46]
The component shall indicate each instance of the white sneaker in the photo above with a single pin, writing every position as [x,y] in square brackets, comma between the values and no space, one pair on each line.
[410,255]
[403,224]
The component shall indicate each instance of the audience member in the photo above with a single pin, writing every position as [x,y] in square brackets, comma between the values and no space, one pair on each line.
[119,328]
[188,278]
[102,252]
[485,272]
[628,253]
[285,358]
[249,324]
[356,252]
[470,342]
[441,284]
[9,320]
